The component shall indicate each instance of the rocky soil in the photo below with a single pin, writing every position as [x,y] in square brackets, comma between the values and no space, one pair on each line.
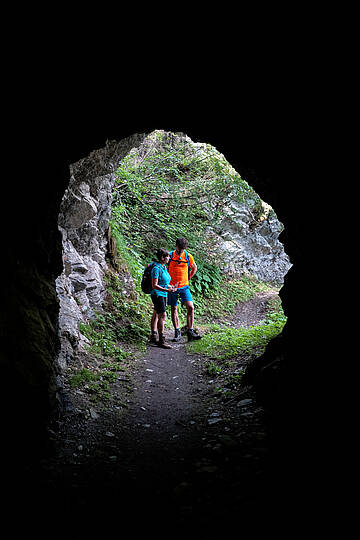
[169,450]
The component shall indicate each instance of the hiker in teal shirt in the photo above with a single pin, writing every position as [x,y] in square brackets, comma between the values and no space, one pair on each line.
[161,273]
[160,279]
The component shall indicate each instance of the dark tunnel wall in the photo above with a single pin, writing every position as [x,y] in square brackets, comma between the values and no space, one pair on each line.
[265,143]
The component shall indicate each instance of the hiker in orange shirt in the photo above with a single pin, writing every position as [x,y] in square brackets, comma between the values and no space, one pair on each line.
[182,267]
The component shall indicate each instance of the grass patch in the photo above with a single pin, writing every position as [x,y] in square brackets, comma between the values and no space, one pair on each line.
[221,302]
[103,338]
[225,343]
[82,377]
[95,383]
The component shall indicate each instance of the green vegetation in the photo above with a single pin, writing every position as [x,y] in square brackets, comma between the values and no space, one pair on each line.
[97,383]
[123,324]
[102,337]
[128,313]
[226,348]
[173,189]
[225,343]
[221,301]
[124,321]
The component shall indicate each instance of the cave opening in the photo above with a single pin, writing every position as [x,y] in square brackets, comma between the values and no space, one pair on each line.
[130,410]
[127,404]
[87,257]
[128,199]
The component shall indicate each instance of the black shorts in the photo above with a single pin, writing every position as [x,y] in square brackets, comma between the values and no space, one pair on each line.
[159,303]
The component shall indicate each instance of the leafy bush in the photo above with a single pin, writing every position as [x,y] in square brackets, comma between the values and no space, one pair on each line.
[174,190]
[206,279]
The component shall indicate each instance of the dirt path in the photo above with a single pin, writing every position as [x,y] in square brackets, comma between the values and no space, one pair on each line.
[179,451]
[250,313]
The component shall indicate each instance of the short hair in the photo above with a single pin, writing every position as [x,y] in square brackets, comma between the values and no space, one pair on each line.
[162,253]
[182,243]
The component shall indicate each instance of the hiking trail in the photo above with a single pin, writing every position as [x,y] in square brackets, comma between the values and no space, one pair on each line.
[170,446]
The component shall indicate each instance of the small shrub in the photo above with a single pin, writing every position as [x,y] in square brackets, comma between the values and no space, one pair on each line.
[82,377]
[213,369]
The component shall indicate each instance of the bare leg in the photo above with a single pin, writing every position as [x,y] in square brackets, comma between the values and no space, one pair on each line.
[175,316]
[154,321]
[190,314]
[161,323]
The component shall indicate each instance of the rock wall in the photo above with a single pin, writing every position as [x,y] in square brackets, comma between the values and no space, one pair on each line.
[84,223]
[246,245]
[31,260]
[246,239]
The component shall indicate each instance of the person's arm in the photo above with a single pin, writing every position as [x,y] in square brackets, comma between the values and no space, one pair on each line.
[193,270]
[155,285]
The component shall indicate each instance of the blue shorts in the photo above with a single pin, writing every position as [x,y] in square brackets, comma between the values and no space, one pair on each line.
[184,293]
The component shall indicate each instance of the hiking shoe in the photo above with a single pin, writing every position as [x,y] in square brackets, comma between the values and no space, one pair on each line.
[177,336]
[161,343]
[164,345]
[192,335]
[153,338]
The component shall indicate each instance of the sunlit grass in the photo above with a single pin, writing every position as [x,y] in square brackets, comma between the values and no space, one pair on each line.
[222,343]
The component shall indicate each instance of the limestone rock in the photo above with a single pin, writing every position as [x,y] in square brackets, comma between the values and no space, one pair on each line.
[248,246]
[84,222]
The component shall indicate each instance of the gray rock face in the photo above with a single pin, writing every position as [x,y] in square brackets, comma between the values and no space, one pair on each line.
[246,245]
[84,223]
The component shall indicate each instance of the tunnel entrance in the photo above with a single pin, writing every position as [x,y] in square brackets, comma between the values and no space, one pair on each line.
[142,429]
[133,196]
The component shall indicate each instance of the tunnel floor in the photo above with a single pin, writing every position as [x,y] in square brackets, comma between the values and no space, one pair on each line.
[169,447]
